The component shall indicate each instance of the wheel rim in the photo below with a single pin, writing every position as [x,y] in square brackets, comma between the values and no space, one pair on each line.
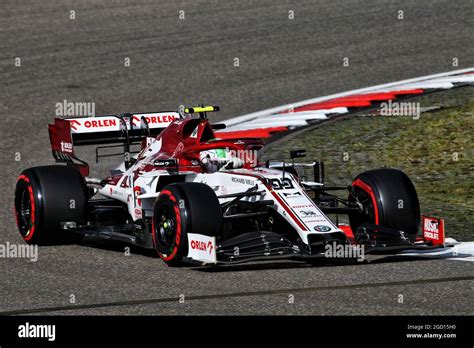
[368,212]
[367,215]
[166,228]
[24,212]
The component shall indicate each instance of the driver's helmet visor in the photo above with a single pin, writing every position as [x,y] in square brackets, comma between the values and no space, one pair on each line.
[215,159]
[216,154]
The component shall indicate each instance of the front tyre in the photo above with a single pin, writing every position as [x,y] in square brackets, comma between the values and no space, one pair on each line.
[183,208]
[388,199]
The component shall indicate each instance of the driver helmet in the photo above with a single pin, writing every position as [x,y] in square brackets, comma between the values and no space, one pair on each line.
[220,159]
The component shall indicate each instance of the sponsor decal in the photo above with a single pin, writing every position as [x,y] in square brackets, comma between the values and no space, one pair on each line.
[314,221]
[198,245]
[153,119]
[164,163]
[94,124]
[202,248]
[66,147]
[100,123]
[298,153]
[308,213]
[109,122]
[74,124]
[292,194]
[433,230]
[322,228]
[145,162]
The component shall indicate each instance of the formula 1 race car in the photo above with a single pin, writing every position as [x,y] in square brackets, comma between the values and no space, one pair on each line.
[195,197]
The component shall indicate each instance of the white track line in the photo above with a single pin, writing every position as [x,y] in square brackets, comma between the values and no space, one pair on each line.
[386,87]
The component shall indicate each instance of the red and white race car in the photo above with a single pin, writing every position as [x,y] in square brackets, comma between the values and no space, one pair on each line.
[197,198]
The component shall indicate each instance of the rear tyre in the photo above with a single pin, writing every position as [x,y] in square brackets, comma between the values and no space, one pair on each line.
[388,199]
[46,196]
[183,208]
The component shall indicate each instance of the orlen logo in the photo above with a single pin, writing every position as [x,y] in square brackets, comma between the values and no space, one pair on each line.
[154,119]
[100,123]
[198,245]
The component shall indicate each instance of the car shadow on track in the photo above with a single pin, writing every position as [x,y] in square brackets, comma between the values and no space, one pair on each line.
[266,265]
[251,266]
[117,246]
[273,265]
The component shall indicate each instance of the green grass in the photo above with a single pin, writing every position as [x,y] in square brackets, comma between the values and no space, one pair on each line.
[436,151]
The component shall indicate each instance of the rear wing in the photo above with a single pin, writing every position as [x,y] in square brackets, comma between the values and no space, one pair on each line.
[126,129]
[110,129]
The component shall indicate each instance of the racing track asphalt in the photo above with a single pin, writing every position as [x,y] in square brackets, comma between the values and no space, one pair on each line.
[192,61]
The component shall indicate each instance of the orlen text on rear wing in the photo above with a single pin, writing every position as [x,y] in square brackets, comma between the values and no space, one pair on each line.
[125,129]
